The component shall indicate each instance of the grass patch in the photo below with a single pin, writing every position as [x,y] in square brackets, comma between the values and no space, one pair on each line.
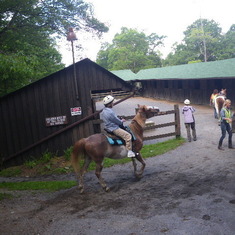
[147,151]
[5,196]
[61,165]
[48,164]
[56,165]
[161,148]
[38,185]
[11,172]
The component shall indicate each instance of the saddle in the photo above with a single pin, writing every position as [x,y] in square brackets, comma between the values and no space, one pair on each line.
[116,140]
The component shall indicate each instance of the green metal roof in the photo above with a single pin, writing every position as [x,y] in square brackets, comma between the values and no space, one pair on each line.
[126,74]
[214,69]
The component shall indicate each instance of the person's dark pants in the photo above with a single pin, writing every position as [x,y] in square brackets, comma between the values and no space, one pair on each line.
[192,126]
[226,127]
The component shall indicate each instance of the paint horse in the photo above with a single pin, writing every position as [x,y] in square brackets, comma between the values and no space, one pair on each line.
[96,147]
[219,102]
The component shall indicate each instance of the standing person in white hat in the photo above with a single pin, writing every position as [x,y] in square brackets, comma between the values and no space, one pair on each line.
[189,120]
[112,123]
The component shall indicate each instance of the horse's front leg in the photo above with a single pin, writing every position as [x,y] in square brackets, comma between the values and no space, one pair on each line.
[98,170]
[141,160]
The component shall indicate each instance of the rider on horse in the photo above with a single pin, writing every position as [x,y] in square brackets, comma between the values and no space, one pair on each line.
[113,124]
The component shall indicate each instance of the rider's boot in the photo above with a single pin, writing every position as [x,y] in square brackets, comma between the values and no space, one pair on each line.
[130,153]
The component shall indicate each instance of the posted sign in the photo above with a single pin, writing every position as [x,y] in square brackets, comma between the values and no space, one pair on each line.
[76,111]
[55,121]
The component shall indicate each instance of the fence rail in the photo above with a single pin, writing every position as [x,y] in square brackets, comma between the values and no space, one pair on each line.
[119,94]
[176,123]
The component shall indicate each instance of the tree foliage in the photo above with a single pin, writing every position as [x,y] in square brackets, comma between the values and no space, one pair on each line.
[227,46]
[28,29]
[132,50]
[203,41]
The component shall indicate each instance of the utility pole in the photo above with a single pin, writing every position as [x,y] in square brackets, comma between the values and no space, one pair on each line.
[203,41]
[71,36]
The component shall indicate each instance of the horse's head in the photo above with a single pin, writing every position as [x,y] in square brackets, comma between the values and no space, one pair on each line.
[223,92]
[144,112]
[148,111]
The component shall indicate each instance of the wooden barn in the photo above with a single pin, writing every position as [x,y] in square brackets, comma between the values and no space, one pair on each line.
[190,81]
[54,112]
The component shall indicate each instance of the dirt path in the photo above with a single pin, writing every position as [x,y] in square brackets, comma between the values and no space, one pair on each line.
[188,191]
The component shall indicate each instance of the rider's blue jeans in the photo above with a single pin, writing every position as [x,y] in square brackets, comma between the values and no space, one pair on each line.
[225,127]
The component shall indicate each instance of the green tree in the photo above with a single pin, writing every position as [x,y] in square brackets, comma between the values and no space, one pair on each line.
[227,46]
[132,50]
[28,30]
[203,41]
[203,38]
[180,55]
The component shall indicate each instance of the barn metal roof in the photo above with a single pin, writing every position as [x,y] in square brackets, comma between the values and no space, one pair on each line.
[214,69]
[126,74]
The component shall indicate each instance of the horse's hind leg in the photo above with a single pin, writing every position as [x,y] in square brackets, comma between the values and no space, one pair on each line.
[98,170]
[86,164]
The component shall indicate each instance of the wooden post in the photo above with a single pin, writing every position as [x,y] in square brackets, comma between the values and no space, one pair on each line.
[177,121]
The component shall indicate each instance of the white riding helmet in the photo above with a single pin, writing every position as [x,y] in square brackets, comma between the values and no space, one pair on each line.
[108,99]
[187,101]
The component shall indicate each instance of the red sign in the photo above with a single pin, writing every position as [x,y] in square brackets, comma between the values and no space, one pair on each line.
[76,111]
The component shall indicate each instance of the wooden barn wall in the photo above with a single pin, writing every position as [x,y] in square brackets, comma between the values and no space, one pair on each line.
[23,113]
[198,91]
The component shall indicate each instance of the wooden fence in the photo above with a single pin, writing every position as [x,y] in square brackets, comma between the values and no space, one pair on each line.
[116,94]
[176,123]
[152,126]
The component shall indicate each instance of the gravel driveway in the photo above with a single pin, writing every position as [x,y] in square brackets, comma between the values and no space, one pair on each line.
[187,191]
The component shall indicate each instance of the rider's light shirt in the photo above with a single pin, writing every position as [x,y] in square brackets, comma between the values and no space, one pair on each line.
[111,121]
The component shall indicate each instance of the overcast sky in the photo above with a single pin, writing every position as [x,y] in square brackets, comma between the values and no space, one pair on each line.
[163,17]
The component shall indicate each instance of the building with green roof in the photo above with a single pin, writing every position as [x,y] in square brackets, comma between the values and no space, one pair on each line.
[194,81]
[125,74]
[215,69]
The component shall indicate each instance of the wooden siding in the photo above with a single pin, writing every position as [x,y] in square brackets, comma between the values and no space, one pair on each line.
[198,91]
[23,113]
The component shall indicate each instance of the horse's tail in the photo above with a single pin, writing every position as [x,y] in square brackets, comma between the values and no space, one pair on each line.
[77,153]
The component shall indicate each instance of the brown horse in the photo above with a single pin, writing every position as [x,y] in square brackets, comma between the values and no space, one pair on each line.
[96,147]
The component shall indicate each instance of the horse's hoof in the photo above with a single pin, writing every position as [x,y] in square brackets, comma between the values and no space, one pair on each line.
[138,176]
[106,189]
[81,188]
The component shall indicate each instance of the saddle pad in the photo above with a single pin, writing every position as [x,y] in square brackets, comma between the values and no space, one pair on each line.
[115,141]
